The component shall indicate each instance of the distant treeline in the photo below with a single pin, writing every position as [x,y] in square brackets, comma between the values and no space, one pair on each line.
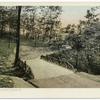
[37,22]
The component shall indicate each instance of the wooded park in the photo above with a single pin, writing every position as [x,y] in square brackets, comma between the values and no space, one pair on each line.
[37,51]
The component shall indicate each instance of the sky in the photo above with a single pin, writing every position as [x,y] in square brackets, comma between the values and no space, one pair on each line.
[72,14]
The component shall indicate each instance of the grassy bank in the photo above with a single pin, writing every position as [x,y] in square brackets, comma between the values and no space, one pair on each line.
[5,51]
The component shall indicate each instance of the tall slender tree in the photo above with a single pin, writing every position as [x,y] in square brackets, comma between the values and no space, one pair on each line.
[18,36]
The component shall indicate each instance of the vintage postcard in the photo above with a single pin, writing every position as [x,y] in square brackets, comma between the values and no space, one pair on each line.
[50,45]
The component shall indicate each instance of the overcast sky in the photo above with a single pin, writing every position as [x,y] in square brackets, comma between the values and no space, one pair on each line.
[72,14]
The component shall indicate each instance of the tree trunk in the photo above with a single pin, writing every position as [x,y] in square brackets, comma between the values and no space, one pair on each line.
[18,36]
[1,31]
[77,61]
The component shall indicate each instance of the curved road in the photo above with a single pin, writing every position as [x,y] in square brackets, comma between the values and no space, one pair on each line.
[44,70]
[49,75]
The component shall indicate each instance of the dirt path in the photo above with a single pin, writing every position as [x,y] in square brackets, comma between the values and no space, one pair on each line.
[44,70]
[49,75]
[29,53]
[41,69]
[66,81]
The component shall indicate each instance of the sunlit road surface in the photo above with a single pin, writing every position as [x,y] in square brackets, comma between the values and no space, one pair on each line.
[44,70]
[49,75]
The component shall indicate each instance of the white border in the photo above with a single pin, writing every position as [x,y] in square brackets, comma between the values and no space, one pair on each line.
[50,92]
[50,3]
[49,0]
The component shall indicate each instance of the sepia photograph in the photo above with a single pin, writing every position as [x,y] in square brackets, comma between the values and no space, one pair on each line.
[50,46]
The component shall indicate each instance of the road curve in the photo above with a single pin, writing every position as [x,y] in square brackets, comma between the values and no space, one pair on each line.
[44,70]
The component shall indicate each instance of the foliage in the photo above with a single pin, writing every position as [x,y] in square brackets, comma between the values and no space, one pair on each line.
[85,43]
[5,52]
[6,82]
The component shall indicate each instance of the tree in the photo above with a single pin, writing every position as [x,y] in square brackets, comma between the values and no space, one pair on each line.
[28,21]
[76,42]
[33,25]
[3,14]
[92,16]
[18,36]
[49,17]
[91,44]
